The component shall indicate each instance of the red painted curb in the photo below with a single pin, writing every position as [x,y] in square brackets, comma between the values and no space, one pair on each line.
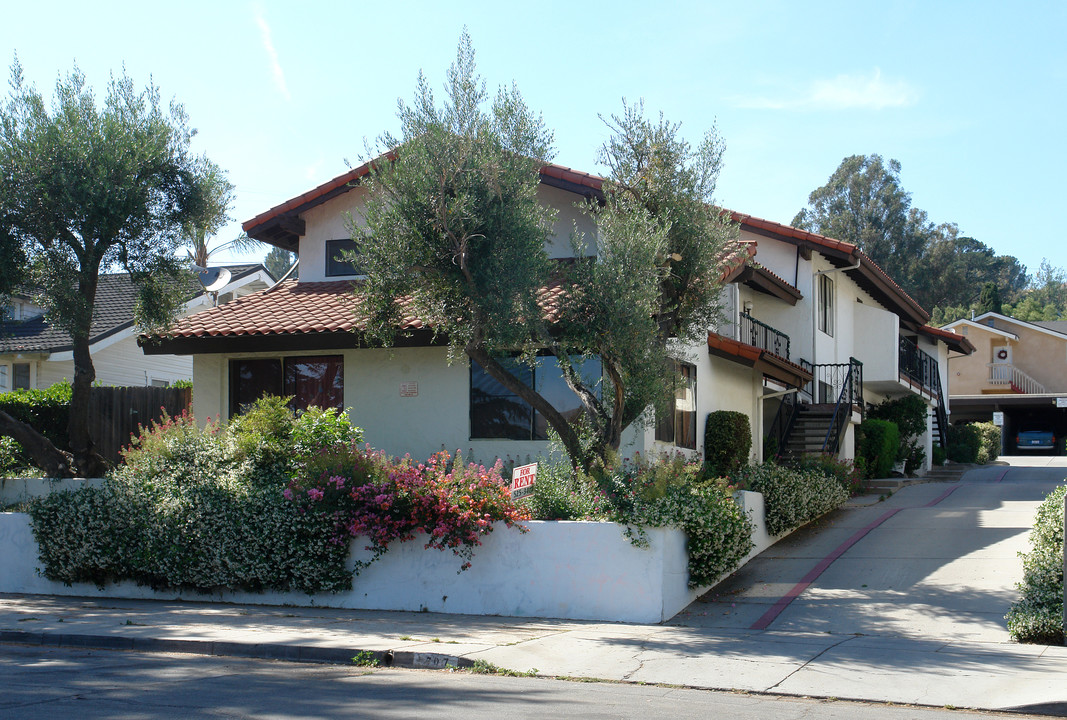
[775,610]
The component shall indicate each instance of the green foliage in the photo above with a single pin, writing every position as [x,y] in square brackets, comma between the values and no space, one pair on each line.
[940,455]
[877,443]
[989,300]
[792,496]
[86,186]
[863,202]
[1037,617]
[668,492]
[263,433]
[453,225]
[48,410]
[278,262]
[562,494]
[844,471]
[727,442]
[974,443]
[909,414]
[187,510]
[989,440]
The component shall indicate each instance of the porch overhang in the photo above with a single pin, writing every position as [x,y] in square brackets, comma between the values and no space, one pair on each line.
[764,281]
[762,361]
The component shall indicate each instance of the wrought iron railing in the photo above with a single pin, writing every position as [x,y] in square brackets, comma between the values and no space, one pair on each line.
[763,336]
[941,414]
[781,427]
[850,396]
[918,366]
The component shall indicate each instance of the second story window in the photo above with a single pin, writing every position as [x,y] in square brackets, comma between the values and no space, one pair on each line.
[337,262]
[826,304]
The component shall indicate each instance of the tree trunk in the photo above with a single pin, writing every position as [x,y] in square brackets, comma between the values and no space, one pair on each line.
[53,461]
[566,433]
[87,462]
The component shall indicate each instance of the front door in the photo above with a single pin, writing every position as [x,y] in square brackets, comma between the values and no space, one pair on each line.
[1001,363]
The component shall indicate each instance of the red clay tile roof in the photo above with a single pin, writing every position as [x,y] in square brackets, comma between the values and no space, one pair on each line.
[959,343]
[750,355]
[289,307]
[846,248]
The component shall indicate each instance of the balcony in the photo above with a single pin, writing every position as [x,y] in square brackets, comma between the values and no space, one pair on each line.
[918,367]
[758,334]
[755,344]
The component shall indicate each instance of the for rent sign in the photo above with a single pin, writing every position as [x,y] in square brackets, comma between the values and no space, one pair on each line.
[522,481]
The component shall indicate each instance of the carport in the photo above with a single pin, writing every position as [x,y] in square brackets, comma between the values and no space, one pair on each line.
[1020,412]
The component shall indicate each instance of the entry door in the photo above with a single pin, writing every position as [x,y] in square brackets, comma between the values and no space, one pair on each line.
[1002,363]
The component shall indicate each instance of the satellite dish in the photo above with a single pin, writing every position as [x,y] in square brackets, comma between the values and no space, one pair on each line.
[213,279]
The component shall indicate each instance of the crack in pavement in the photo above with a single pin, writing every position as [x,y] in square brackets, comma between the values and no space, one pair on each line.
[810,661]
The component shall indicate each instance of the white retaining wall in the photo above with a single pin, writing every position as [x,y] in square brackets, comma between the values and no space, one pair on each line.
[17,490]
[570,570]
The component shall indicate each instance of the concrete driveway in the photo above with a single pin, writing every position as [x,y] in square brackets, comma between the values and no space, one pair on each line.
[935,561]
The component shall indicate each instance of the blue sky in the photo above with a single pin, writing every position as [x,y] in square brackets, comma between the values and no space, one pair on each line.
[970,97]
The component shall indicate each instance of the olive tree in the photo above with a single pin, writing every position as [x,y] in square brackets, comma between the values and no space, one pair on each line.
[89,187]
[452,232]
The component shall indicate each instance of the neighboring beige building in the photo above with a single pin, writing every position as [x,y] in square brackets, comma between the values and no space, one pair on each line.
[1019,368]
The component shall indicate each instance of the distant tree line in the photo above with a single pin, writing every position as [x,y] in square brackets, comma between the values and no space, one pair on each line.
[948,273]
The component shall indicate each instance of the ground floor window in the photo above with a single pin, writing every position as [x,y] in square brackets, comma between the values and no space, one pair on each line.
[497,413]
[20,376]
[311,381]
[678,426]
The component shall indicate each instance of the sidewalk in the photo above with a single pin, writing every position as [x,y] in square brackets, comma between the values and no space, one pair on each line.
[996,676]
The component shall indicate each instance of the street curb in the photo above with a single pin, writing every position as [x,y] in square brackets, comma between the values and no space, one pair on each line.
[262,651]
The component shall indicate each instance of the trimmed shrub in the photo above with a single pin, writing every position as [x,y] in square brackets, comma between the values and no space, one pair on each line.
[844,471]
[974,443]
[669,492]
[793,496]
[909,415]
[940,455]
[186,511]
[963,443]
[877,443]
[988,442]
[48,411]
[1038,615]
[727,442]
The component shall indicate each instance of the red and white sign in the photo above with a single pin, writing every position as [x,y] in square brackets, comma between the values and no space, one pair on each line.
[522,481]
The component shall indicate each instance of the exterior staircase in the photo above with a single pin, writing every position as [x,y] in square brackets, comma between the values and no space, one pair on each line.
[809,431]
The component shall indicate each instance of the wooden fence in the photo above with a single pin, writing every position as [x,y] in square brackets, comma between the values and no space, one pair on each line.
[115,413]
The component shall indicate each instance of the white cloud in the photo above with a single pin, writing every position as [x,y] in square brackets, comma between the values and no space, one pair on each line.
[844,92]
[268,45]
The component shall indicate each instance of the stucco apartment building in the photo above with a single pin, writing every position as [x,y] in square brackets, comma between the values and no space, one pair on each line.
[813,328]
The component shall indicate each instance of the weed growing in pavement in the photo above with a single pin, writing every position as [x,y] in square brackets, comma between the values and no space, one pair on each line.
[365,658]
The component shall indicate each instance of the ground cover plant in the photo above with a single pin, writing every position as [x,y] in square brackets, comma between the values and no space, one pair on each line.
[1037,617]
[267,502]
[792,496]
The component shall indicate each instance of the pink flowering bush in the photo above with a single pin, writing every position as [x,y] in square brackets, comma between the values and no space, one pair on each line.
[386,500]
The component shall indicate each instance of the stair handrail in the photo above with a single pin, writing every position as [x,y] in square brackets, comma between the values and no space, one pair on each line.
[1017,378]
[851,389]
[782,425]
[940,413]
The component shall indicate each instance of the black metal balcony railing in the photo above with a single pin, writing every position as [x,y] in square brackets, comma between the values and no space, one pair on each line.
[918,366]
[763,336]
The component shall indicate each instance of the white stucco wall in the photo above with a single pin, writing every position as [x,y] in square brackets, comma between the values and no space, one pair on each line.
[329,221]
[570,570]
[876,339]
